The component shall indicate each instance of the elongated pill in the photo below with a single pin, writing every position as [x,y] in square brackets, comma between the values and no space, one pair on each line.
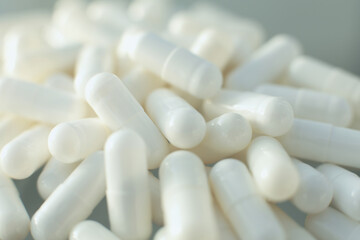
[226,231]
[23,155]
[225,135]
[115,105]
[268,115]
[156,203]
[346,189]
[127,192]
[322,142]
[72,202]
[75,140]
[175,65]
[332,225]
[91,230]
[312,105]
[39,103]
[315,191]
[274,172]
[10,127]
[186,198]
[180,123]
[237,195]
[14,220]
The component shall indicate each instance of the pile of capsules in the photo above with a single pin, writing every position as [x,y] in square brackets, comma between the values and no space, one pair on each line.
[98,93]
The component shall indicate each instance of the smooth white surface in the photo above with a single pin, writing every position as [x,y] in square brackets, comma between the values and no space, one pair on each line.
[91,230]
[239,199]
[117,108]
[180,123]
[226,231]
[156,203]
[10,127]
[267,115]
[127,186]
[61,81]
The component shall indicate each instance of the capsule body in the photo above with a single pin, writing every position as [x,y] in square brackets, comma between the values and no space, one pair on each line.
[312,105]
[322,142]
[237,195]
[10,127]
[186,198]
[128,193]
[267,115]
[117,108]
[91,230]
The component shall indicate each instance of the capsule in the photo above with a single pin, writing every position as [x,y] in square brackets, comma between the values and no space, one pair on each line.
[322,142]
[23,155]
[53,174]
[60,81]
[117,108]
[75,140]
[14,220]
[39,103]
[267,115]
[226,231]
[315,191]
[237,195]
[225,135]
[312,105]
[10,127]
[156,203]
[174,65]
[91,230]
[274,172]
[72,202]
[127,193]
[180,123]
[186,198]
[332,225]
[346,189]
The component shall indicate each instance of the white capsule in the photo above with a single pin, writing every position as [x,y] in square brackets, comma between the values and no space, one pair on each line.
[346,189]
[156,203]
[60,81]
[117,108]
[10,127]
[91,61]
[39,103]
[127,192]
[186,198]
[75,140]
[265,65]
[322,142]
[91,230]
[180,123]
[312,105]
[23,155]
[292,229]
[332,225]
[14,220]
[174,65]
[226,231]
[267,115]
[238,197]
[315,191]
[225,135]
[72,202]
[53,174]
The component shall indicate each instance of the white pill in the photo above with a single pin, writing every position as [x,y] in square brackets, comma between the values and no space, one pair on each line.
[75,140]
[60,81]
[156,203]
[127,186]
[91,230]
[267,115]
[115,105]
[346,189]
[322,142]
[174,65]
[186,198]
[312,105]
[265,65]
[292,229]
[23,155]
[53,174]
[14,220]
[315,191]
[238,197]
[180,123]
[332,225]
[225,135]
[39,103]
[10,127]
[92,60]
[226,231]
[72,202]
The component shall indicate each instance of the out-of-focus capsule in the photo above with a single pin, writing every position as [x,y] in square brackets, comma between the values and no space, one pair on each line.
[10,127]
[91,230]
[61,81]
